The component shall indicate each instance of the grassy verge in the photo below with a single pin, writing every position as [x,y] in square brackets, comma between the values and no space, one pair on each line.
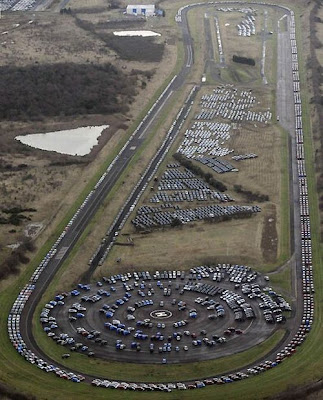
[195,23]
[282,280]
[271,52]
[284,243]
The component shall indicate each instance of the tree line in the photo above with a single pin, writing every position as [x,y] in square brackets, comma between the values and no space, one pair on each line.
[63,89]
[243,60]
[251,196]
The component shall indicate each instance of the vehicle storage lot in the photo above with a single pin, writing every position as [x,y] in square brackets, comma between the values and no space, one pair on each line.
[237,131]
[166,317]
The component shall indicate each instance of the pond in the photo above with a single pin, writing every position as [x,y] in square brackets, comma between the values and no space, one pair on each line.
[75,142]
[136,33]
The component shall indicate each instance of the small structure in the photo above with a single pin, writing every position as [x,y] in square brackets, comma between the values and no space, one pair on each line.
[147,10]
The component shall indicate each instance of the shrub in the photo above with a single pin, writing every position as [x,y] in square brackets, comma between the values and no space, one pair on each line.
[243,60]
[250,195]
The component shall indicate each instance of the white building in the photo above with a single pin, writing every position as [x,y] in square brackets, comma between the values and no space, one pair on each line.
[147,9]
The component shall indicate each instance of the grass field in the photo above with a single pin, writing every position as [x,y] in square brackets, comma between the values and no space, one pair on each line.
[304,367]
[282,280]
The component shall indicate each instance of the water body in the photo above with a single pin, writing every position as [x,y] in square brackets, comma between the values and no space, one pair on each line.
[136,33]
[75,142]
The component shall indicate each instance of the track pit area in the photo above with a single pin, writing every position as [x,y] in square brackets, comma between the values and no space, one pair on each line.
[174,315]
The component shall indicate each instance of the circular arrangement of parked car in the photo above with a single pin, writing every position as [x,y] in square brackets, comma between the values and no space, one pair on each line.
[166,316]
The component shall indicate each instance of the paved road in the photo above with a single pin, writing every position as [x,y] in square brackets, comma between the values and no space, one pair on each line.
[284,86]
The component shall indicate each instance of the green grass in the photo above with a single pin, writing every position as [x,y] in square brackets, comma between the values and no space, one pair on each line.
[271,44]
[282,280]
[193,17]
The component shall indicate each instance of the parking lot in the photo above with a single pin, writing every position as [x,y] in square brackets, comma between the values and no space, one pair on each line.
[167,316]
[178,194]
[211,132]
[17,5]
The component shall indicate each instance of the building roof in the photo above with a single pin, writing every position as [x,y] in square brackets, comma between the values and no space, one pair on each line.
[141,6]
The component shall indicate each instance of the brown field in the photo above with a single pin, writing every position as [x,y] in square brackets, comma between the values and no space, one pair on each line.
[46,184]
[195,20]
[185,247]
[111,206]
[239,45]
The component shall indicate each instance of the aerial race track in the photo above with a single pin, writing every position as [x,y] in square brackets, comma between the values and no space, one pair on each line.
[21,315]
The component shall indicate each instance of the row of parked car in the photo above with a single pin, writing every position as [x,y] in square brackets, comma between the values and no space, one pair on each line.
[247,26]
[305,224]
[243,10]
[185,187]
[182,184]
[207,137]
[218,37]
[216,164]
[232,103]
[244,156]
[23,5]
[17,5]
[180,196]
[299,337]
[211,213]
[19,344]
[307,269]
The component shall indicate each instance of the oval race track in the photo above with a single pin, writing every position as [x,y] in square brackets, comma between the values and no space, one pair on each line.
[20,317]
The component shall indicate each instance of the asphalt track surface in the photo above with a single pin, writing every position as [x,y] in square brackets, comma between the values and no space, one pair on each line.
[254,330]
[89,210]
